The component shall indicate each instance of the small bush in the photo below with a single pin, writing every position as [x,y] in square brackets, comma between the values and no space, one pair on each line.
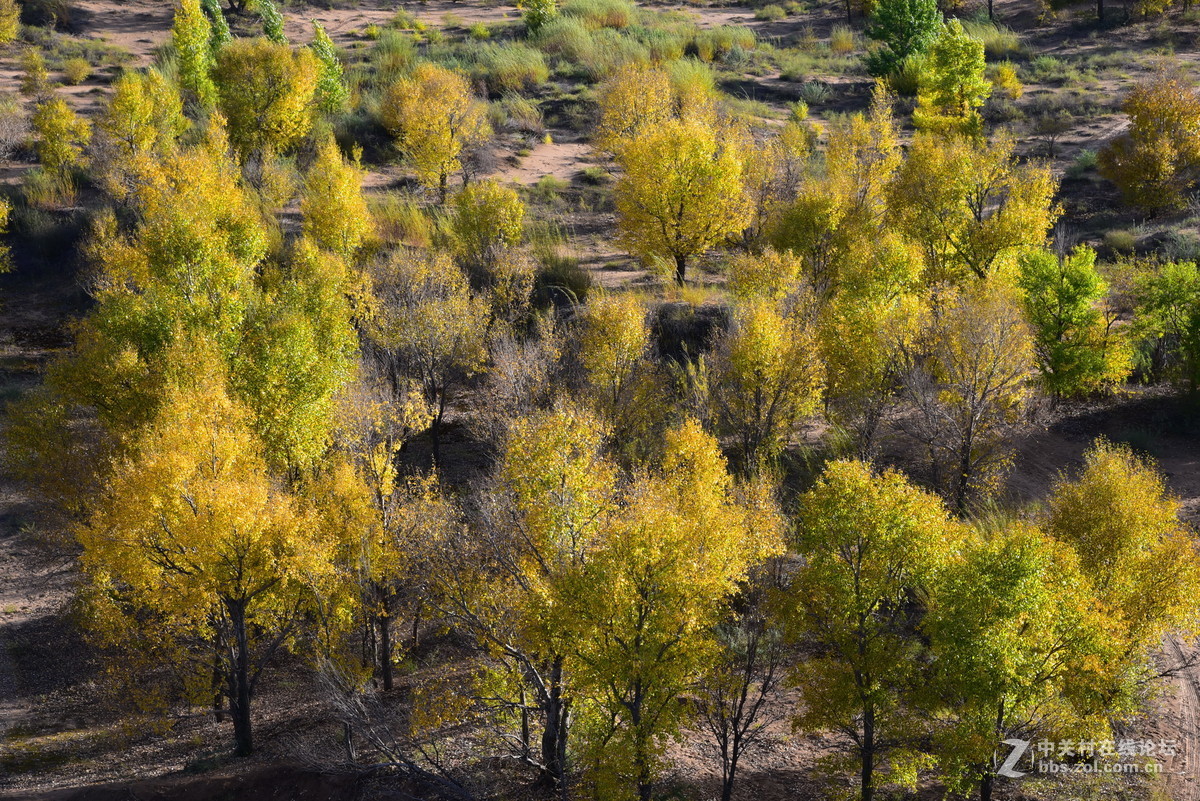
[400,220]
[771,13]
[906,80]
[14,126]
[999,42]
[479,32]
[510,67]
[405,21]
[1084,162]
[76,71]
[815,92]
[601,13]
[548,189]
[842,40]
[561,282]
[1120,241]
[595,176]
[393,56]
[371,31]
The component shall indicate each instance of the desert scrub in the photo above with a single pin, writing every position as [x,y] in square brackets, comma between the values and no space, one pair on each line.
[601,13]
[1084,162]
[509,67]
[479,32]
[394,55]
[76,71]
[999,41]
[399,219]
[771,13]
[842,40]
[814,93]
[1120,241]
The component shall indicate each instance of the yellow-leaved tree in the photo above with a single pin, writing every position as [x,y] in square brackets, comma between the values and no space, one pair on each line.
[641,610]
[1141,557]
[429,326]
[267,93]
[335,212]
[869,544]
[191,546]
[435,117]
[140,125]
[969,205]
[766,375]
[682,190]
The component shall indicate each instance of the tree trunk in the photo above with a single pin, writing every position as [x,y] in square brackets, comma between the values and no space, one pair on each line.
[385,644]
[985,787]
[1100,10]
[680,269]
[239,681]
[991,11]
[442,182]
[868,754]
[554,732]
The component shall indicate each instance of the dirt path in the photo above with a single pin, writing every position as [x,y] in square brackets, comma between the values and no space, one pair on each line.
[1181,770]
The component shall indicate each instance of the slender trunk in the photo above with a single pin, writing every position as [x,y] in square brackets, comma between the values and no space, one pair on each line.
[442,189]
[416,625]
[727,785]
[218,693]
[868,753]
[385,643]
[680,269]
[348,737]
[239,681]
[985,787]
[991,11]
[1100,10]
[554,732]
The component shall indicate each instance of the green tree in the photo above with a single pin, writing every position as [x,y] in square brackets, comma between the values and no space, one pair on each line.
[220,26]
[869,544]
[538,13]
[331,87]
[192,35]
[905,27]
[1078,351]
[1018,649]
[1168,310]
[272,21]
[952,85]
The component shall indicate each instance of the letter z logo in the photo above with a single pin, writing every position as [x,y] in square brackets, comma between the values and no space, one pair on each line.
[1007,769]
